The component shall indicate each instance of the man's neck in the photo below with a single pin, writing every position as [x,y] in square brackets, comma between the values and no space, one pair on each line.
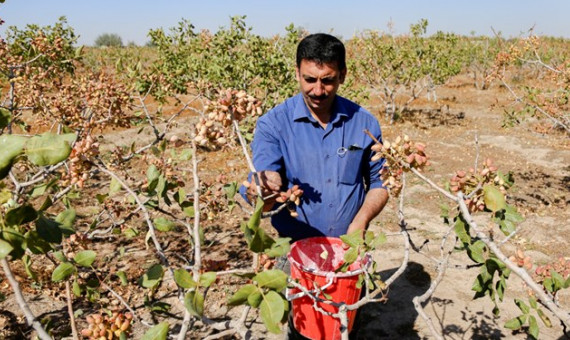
[323,117]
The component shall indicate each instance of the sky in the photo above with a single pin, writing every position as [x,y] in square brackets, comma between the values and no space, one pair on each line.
[132,20]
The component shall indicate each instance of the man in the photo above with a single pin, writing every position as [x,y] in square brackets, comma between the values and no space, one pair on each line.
[316,140]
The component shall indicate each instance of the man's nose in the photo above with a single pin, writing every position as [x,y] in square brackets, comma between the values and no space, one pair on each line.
[318,89]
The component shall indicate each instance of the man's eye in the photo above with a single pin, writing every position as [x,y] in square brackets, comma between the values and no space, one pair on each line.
[327,81]
[311,80]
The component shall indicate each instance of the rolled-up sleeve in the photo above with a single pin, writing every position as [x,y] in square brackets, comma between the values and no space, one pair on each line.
[267,154]
[266,149]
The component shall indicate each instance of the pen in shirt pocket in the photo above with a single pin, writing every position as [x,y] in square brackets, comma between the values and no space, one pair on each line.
[354,147]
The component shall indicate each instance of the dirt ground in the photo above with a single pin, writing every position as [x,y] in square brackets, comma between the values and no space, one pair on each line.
[463,123]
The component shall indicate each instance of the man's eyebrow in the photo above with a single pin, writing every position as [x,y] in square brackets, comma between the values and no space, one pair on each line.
[329,77]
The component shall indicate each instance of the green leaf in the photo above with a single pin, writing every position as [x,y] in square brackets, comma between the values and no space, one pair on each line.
[66,219]
[180,196]
[115,186]
[11,147]
[158,332]
[163,224]
[378,240]
[152,175]
[461,231]
[260,241]
[353,239]
[254,299]
[545,319]
[557,279]
[49,149]
[48,229]
[207,278]
[85,258]
[42,188]
[511,214]
[255,218]
[533,303]
[188,209]
[194,303]
[130,233]
[101,198]
[152,277]
[501,286]
[533,326]
[240,297]
[476,251]
[507,227]
[494,198]
[161,188]
[5,249]
[20,215]
[60,256]
[516,323]
[548,283]
[5,196]
[351,255]
[62,272]
[123,277]
[230,189]
[5,117]
[16,240]
[27,261]
[271,310]
[47,204]
[280,247]
[522,306]
[273,279]
[76,288]
[184,279]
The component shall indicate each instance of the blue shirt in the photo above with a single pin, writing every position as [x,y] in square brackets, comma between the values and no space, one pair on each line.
[331,165]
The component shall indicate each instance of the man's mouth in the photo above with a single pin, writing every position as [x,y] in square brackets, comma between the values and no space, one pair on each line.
[318,99]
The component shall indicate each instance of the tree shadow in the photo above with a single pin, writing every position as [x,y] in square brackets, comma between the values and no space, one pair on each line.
[394,319]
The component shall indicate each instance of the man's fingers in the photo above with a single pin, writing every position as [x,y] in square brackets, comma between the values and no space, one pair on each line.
[270,180]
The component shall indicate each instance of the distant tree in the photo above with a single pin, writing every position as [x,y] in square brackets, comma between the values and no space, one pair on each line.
[109,40]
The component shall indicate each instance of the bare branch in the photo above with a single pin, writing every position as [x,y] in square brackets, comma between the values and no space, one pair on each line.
[70,311]
[145,211]
[30,318]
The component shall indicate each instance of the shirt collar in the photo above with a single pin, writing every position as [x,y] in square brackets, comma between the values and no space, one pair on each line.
[302,111]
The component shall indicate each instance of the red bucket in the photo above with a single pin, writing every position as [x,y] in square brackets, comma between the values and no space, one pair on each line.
[314,261]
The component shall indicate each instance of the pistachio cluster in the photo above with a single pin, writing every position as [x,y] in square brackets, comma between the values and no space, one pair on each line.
[400,156]
[468,181]
[105,327]
[560,266]
[521,259]
[79,161]
[214,129]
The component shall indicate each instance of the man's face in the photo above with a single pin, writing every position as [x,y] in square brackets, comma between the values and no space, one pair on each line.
[319,84]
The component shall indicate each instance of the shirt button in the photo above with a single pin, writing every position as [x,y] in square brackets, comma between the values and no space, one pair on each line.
[330,205]
[329,180]
[327,156]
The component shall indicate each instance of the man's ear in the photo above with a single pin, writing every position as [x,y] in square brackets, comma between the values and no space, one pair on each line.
[297,75]
[342,76]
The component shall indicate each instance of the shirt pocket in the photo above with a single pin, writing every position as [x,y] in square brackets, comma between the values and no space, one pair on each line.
[350,166]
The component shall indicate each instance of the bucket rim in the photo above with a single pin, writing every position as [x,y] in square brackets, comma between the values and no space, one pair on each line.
[364,262]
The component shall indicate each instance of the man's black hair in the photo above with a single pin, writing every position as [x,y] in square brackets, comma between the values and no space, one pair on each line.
[323,49]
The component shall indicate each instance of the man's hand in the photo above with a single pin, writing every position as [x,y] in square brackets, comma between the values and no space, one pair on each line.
[270,185]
